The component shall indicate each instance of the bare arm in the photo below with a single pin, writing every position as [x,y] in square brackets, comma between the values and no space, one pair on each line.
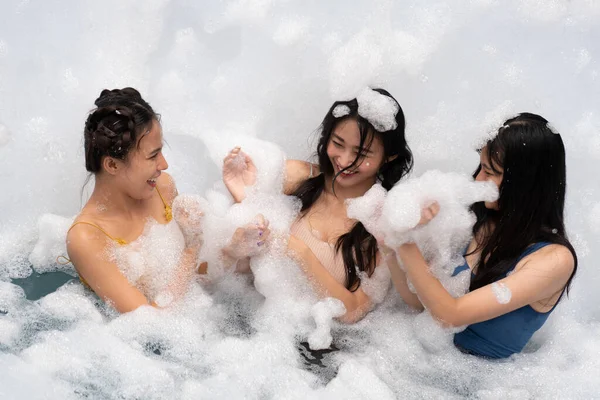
[296,172]
[537,277]
[240,172]
[400,282]
[87,250]
[357,303]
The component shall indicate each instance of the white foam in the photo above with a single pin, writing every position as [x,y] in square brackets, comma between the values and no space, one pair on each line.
[502,292]
[341,110]
[217,71]
[51,244]
[380,110]
[4,135]
[323,312]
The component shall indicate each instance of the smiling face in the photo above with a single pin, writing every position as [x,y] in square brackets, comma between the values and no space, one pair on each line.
[144,164]
[343,149]
[489,171]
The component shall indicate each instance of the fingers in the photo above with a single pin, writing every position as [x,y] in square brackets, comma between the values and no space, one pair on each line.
[232,154]
[429,212]
[435,208]
[261,221]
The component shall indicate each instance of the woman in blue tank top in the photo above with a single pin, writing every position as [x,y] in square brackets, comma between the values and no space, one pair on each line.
[520,259]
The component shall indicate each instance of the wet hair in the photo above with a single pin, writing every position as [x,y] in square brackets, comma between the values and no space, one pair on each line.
[531,201]
[113,128]
[359,247]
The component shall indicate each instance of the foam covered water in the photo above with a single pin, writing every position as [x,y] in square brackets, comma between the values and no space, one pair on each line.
[262,74]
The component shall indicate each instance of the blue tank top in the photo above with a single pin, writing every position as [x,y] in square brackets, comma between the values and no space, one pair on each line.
[507,334]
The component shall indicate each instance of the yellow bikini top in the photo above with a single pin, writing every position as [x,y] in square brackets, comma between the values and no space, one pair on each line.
[168,217]
[119,241]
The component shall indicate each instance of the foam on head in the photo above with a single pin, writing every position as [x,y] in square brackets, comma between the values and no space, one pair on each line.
[380,110]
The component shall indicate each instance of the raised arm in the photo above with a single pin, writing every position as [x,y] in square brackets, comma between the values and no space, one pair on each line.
[357,303]
[240,172]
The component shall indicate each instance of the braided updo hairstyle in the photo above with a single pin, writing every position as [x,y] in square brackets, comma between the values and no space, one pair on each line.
[113,128]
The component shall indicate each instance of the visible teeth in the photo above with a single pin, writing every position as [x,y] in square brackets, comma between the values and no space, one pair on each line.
[346,172]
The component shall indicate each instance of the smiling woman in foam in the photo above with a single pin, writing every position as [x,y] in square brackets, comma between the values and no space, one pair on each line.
[125,244]
[520,259]
[361,143]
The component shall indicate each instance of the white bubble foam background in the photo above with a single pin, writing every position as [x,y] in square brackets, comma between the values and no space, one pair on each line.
[220,71]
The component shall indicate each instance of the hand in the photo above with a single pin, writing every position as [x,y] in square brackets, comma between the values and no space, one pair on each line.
[428,213]
[187,212]
[239,171]
[248,240]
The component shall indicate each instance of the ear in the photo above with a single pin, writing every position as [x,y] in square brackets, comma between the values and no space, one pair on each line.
[391,158]
[111,165]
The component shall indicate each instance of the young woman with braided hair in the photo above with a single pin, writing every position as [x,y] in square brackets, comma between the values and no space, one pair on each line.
[132,200]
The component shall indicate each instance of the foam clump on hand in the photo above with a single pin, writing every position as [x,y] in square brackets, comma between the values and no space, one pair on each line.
[380,110]
[188,211]
[394,218]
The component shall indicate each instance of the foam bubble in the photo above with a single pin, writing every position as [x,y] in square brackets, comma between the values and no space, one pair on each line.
[323,312]
[380,110]
[291,30]
[501,292]
[51,244]
[341,110]
[4,135]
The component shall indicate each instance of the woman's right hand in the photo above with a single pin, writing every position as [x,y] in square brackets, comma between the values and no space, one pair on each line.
[188,211]
[239,172]
[249,240]
[428,213]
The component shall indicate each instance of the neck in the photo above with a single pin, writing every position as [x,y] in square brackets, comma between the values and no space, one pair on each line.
[116,201]
[344,193]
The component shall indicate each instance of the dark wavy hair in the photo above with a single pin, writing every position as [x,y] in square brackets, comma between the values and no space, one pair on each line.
[531,201]
[359,248]
[113,128]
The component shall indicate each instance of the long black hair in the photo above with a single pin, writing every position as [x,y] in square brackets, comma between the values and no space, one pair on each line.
[532,197]
[358,246]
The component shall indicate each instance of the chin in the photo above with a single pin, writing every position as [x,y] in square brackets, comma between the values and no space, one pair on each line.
[491,205]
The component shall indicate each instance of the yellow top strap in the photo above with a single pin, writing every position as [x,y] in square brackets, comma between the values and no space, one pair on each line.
[168,209]
[118,240]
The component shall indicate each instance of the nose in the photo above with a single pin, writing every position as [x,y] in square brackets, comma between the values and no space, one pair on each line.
[480,177]
[346,159]
[162,163]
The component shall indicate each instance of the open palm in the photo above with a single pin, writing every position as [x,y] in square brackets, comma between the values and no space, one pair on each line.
[239,172]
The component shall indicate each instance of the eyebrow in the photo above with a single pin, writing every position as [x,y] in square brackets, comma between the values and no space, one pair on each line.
[155,151]
[337,137]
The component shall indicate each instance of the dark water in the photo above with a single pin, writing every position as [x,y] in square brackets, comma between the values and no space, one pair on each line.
[37,285]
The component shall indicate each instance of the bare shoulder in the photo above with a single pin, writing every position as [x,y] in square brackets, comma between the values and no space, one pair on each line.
[553,257]
[83,239]
[167,187]
[296,172]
